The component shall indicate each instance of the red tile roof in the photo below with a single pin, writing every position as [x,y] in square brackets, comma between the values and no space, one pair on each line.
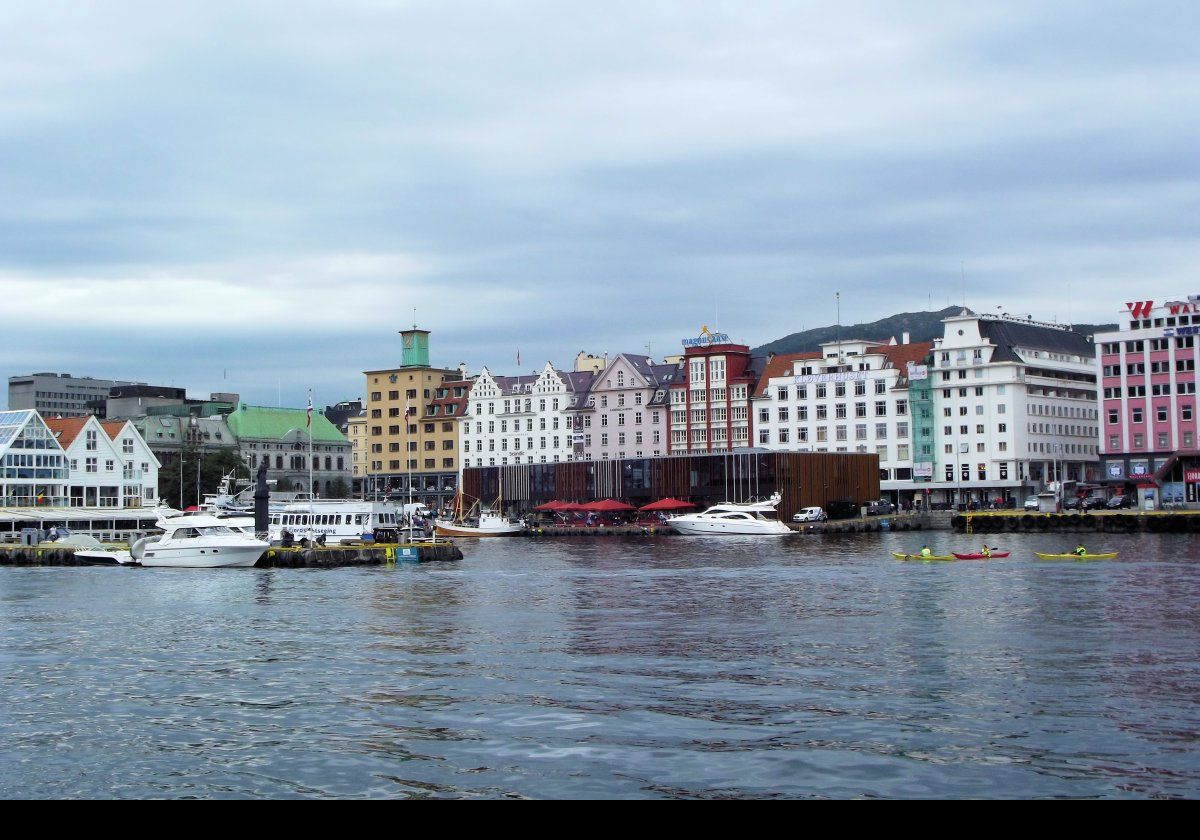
[66,429]
[901,354]
[781,365]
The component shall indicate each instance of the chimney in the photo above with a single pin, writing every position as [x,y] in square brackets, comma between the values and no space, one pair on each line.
[904,337]
[462,371]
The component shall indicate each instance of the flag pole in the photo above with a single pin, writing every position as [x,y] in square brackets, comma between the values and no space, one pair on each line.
[308,428]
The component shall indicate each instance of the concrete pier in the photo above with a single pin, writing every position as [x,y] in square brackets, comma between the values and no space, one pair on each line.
[1107,522]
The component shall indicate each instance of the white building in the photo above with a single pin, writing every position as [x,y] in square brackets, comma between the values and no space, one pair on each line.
[33,466]
[851,396]
[1014,408]
[517,419]
[109,464]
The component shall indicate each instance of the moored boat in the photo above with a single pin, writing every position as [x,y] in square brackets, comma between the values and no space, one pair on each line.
[730,518]
[488,524]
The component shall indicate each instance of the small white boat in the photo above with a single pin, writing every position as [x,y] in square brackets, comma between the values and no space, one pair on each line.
[198,541]
[489,524]
[751,519]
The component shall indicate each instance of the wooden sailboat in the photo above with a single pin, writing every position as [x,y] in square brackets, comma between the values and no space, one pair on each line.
[478,522]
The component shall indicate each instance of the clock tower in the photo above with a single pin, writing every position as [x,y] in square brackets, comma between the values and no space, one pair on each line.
[416,347]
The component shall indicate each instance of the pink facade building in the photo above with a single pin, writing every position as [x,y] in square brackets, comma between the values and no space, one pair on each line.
[1148,400]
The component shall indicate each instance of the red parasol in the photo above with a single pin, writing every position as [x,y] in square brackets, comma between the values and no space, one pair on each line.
[667,504]
[554,504]
[607,506]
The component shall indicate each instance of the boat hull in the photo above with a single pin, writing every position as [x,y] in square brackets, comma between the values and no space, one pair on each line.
[733,529]
[1110,555]
[451,529]
[995,555]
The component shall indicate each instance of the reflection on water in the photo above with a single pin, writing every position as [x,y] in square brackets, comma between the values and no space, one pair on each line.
[670,667]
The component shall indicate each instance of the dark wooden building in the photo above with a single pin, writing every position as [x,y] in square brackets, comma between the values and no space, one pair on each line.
[804,479]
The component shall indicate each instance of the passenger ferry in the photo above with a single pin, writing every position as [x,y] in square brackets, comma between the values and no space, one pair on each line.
[337,520]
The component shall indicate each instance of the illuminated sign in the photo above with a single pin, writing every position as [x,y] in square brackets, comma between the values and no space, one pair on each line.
[706,339]
[1191,476]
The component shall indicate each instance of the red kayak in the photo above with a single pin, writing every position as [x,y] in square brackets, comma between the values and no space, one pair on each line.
[991,556]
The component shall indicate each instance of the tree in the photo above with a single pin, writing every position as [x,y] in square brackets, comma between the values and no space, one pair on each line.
[213,466]
[339,489]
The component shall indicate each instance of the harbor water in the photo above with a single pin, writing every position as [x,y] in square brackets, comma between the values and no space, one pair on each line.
[682,667]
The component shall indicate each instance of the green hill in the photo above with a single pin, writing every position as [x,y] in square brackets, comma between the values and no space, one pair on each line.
[921,326]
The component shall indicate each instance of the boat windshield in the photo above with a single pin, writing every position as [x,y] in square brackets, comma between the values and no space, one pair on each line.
[209,531]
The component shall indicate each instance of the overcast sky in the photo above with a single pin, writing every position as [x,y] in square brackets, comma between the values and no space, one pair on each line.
[253,197]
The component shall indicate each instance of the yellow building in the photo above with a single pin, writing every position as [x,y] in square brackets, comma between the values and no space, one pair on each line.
[406,433]
[356,433]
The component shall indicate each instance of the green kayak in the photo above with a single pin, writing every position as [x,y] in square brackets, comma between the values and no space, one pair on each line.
[900,556]
[1110,555]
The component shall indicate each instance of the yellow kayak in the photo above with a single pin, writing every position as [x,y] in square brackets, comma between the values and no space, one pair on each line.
[900,556]
[1110,555]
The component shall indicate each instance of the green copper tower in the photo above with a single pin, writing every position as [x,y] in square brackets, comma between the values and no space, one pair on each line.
[416,347]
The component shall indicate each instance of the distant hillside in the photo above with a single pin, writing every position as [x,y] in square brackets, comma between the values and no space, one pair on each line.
[921,326]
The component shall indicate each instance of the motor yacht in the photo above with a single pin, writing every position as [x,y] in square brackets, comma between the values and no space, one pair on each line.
[749,519]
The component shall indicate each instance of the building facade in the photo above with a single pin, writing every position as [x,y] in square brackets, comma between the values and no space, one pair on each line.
[1148,395]
[109,464]
[519,419]
[58,394]
[1014,403]
[33,465]
[621,410]
[411,452]
[280,437]
[710,406]
[850,396]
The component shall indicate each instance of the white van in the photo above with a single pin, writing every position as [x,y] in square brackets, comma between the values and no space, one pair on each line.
[810,514]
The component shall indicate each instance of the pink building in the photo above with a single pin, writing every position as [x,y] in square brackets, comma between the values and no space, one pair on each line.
[621,411]
[1148,399]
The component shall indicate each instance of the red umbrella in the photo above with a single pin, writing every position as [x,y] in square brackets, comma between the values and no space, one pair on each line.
[667,504]
[554,504]
[569,506]
[607,506]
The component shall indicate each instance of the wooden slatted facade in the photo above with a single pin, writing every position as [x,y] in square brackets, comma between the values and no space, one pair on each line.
[804,479]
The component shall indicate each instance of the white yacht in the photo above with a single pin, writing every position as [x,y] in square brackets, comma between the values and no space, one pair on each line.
[750,519]
[195,541]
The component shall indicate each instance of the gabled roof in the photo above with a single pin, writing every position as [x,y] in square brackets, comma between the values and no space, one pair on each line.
[781,365]
[113,427]
[13,423]
[66,429]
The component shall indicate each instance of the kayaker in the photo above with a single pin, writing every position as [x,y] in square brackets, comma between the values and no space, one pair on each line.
[926,552]
[986,552]
[1079,551]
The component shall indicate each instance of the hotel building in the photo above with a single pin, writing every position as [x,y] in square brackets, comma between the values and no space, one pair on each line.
[710,406]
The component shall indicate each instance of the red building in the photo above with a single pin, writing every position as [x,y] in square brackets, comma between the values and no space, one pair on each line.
[710,406]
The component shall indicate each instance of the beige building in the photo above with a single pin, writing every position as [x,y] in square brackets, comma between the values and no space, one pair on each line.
[356,433]
[411,448]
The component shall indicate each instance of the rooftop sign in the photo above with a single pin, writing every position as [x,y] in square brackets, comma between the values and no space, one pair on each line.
[706,339]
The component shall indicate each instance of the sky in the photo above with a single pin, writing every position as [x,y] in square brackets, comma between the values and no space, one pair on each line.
[254,197]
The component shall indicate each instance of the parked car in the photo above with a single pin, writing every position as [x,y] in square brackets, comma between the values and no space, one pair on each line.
[1094,503]
[1123,501]
[1031,503]
[810,514]
[880,507]
[1074,503]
